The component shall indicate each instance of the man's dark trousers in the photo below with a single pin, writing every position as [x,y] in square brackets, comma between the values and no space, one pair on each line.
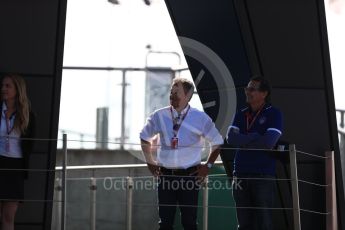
[253,194]
[177,190]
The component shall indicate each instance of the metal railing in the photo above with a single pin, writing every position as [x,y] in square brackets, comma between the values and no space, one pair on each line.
[61,190]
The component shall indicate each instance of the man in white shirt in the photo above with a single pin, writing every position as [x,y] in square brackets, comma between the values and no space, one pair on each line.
[182,130]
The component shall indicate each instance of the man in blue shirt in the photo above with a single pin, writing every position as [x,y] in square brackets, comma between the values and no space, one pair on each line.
[258,127]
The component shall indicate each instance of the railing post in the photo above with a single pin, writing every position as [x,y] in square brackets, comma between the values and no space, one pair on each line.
[58,197]
[93,191]
[331,200]
[294,188]
[129,202]
[205,205]
[123,111]
[63,186]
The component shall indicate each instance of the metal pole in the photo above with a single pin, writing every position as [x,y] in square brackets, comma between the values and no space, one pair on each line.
[63,186]
[294,188]
[205,205]
[129,202]
[342,153]
[93,190]
[331,199]
[58,198]
[123,110]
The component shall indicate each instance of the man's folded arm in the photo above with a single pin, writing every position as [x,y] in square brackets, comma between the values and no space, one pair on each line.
[237,139]
[266,141]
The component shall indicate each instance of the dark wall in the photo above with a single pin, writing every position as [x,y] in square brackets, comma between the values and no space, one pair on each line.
[31,44]
[286,41]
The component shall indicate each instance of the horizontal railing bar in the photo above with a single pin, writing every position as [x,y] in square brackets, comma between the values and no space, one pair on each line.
[108,68]
[123,166]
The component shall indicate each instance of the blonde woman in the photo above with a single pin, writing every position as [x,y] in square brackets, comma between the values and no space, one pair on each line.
[16,125]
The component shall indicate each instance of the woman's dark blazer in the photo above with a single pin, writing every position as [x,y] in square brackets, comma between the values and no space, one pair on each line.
[27,142]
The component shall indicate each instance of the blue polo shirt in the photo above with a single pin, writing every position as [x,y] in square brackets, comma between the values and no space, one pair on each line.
[263,133]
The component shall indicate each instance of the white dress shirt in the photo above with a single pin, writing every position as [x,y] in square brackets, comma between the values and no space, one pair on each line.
[11,140]
[195,128]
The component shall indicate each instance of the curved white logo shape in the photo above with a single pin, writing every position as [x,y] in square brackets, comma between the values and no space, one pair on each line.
[222,76]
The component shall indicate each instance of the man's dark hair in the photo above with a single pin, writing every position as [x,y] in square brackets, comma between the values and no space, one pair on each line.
[264,85]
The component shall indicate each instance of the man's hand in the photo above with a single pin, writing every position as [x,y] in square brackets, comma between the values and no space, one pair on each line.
[202,169]
[154,169]
[201,172]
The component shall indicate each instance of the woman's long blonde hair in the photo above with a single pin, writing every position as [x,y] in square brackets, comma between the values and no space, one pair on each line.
[21,121]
